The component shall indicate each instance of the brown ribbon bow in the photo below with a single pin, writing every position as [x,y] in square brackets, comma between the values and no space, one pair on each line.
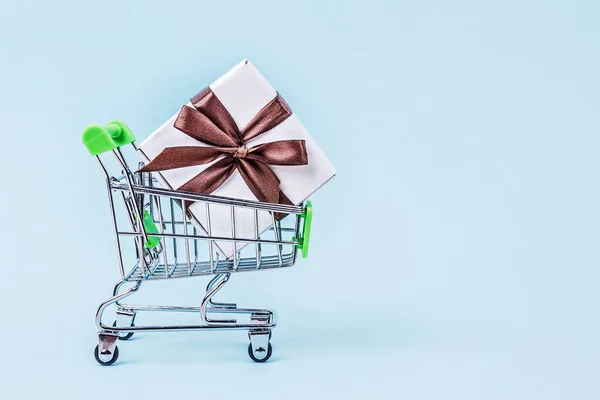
[210,122]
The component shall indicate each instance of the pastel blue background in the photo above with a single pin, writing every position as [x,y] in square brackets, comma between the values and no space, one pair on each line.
[455,255]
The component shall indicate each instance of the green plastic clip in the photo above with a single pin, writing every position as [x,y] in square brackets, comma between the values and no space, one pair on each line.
[100,139]
[304,240]
[150,227]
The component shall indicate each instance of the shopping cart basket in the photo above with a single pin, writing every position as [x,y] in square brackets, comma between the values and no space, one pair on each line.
[153,226]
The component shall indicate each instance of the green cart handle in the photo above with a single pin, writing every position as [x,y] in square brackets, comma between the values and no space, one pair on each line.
[304,239]
[100,139]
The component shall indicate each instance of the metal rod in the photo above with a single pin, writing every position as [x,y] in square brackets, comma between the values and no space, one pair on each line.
[195,249]
[296,236]
[196,309]
[130,186]
[277,238]
[172,206]
[162,230]
[214,304]
[235,257]
[150,183]
[114,218]
[187,242]
[222,325]
[111,300]
[193,197]
[209,294]
[210,242]
[256,235]
[211,238]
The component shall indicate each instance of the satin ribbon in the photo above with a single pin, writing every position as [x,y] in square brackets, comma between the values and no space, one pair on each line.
[210,122]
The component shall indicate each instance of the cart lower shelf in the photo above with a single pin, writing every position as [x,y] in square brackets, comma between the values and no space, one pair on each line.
[259,324]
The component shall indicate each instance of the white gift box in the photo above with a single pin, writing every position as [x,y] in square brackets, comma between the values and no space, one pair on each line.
[244,92]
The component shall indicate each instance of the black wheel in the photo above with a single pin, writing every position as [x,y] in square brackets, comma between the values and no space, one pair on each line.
[109,362]
[127,336]
[260,360]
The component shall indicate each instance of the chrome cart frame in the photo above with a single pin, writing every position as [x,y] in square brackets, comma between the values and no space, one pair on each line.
[167,244]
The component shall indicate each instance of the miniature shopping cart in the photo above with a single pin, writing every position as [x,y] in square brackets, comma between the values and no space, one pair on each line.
[157,238]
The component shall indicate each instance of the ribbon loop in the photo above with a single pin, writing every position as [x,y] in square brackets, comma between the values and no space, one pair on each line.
[271,115]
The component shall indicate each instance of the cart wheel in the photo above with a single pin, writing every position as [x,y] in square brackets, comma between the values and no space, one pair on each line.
[125,336]
[99,358]
[260,353]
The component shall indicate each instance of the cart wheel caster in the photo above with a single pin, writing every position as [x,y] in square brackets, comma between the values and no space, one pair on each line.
[106,359]
[124,336]
[260,354]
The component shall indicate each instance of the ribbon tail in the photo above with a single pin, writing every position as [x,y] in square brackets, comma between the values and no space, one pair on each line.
[283,199]
[263,183]
[261,180]
[211,178]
